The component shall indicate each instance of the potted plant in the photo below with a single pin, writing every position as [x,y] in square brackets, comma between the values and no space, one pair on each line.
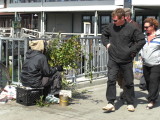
[66,52]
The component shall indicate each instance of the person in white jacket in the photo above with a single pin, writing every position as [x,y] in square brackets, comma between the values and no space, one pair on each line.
[151,60]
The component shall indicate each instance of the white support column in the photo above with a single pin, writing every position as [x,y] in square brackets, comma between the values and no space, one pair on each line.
[133,12]
[42,23]
[15,20]
[15,16]
[95,24]
[42,19]
[32,22]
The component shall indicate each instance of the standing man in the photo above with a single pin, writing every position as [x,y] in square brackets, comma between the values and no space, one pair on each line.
[120,80]
[128,17]
[119,38]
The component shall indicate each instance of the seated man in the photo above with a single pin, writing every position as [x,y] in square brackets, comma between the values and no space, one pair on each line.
[36,71]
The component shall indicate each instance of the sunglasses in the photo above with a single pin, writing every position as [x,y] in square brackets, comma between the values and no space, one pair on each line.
[114,20]
[146,27]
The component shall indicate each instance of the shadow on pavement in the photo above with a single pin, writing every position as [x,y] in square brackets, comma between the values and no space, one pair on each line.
[77,95]
[140,98]
[87,95]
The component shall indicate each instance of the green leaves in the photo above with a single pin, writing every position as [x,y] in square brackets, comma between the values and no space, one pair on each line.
[64,52]
[41,102]
[68,52]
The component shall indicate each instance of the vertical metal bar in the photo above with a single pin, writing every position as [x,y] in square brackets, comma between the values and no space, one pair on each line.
[107,59]
[81,64]
[7,55]
[87,51]
[12,60]
[1,81]
[19,60]
[94,53]
[101,59]
[0,49]
[97,44]
[25,47]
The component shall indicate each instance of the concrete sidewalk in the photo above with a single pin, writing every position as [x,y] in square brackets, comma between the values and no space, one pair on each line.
[87,106]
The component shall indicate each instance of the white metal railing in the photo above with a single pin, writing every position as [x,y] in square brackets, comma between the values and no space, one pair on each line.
[6,31]
[24,32]
[12,53]
[30,33]
[64,35]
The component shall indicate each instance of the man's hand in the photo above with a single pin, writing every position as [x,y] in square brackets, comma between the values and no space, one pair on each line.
[133,55]
[59,68]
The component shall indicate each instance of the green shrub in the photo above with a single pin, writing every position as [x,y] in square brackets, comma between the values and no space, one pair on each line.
[65,52]
[68,53]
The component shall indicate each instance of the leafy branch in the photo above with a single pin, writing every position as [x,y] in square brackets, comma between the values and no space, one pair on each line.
[64,52]
[67,52]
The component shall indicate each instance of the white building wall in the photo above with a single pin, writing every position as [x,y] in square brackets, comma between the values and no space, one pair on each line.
[106,5]
[1,3]
[119,2]
[146,2]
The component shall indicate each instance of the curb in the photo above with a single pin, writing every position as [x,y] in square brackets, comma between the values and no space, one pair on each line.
[99,81]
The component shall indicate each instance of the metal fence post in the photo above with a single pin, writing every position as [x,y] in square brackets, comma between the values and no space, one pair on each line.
[0,49]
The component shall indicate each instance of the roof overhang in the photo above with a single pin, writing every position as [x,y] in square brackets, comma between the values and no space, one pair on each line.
[146,5]
[2,13]
[146,2]
[62,9]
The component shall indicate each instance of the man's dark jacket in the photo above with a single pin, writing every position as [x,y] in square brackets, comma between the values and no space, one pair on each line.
[34,68]
[125,41]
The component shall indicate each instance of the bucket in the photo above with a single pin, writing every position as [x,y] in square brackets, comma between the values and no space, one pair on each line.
[63,100]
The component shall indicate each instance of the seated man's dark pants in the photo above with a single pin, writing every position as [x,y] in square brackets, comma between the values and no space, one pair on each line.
[52,84]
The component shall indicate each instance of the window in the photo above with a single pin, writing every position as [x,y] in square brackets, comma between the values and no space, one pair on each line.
[139,20]
[86,18]
[89,19]
[104,20]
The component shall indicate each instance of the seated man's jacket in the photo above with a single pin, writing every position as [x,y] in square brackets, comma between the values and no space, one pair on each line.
[34,68]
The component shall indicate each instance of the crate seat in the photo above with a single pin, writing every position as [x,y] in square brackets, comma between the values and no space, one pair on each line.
[28,96]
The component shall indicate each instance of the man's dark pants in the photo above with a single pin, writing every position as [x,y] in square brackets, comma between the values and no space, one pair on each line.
[52,84]
[127,70]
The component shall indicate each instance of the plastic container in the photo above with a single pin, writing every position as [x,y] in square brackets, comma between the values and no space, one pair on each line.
[28,96]
[64,100]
